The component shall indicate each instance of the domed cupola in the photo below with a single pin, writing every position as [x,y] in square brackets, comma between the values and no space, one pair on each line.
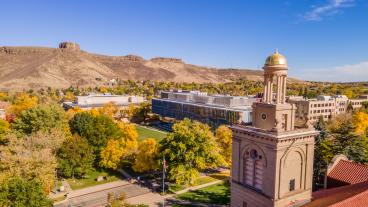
[276,59]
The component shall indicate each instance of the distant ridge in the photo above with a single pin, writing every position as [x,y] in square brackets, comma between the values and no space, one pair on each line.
[68,65]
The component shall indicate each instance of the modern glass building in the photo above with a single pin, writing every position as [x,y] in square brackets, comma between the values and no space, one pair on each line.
[213,110]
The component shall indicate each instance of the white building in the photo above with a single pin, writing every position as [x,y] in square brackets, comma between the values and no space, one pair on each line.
[325,106]
[98,100]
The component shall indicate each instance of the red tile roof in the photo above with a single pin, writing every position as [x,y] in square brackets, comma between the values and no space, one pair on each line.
[349,172]
[359,200]
[355,195]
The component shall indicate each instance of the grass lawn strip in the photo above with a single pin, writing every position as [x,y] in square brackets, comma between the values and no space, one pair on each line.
[146,132]
[200,181]
[90,179]
[214,194]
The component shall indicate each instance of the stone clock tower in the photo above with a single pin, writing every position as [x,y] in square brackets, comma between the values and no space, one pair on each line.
[272,160]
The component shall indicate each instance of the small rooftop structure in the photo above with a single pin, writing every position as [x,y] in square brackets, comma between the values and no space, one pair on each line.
[197,97]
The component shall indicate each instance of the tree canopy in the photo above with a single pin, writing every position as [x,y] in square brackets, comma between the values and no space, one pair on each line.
[96,129]
[22,102]
[189,148]
[31,157]
[18,192]
[75,157]
[224,139]
[4,129]
[147,155]
[118,149]
[40,118]
[112,154]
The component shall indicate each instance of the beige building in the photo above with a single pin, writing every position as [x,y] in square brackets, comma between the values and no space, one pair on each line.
[272,161]
[325,106]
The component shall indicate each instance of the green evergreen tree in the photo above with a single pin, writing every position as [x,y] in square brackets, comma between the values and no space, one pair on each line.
[322,154]
[347,142]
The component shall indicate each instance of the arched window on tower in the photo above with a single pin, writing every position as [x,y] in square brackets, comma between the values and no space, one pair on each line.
[253,169]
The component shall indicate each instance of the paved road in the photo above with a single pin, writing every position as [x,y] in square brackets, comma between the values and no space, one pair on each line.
[99,198]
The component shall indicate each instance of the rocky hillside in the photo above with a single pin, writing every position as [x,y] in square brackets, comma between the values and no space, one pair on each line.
[36,67]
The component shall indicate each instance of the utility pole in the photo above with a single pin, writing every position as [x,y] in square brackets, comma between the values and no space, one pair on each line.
[163,179]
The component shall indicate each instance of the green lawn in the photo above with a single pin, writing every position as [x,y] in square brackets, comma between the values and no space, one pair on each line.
[200,181]
[90,179]
[145,132]
[214,194]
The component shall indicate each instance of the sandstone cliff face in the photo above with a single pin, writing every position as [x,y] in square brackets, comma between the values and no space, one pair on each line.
[166,60]
[69,46]
[40,67]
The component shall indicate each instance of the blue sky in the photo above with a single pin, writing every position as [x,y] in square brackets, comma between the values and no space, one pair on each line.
[322,39]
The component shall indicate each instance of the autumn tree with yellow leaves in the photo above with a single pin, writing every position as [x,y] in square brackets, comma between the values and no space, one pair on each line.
[69,96]
[4,129]
[118,149]
[112,154]
[360,120]
[72,111]
[147,154]
[129,136]
[22,102]
[223,139]
[109,109]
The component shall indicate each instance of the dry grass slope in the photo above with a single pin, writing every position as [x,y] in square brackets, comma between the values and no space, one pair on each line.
[39,67]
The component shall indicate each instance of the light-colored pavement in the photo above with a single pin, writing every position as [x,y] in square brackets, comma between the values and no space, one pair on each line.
[97,195]
[97,188]
[100,198]
[155,199]
[150,199]
[66,186]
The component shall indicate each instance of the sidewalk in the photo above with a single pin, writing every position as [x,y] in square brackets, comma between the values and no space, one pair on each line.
[155,199]
[150,199]
[66,185]
[97,188]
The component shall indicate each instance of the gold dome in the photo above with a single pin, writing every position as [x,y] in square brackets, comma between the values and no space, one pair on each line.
[276,59]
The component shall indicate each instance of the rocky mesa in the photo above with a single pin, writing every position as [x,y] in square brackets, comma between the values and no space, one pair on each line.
[68,65]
